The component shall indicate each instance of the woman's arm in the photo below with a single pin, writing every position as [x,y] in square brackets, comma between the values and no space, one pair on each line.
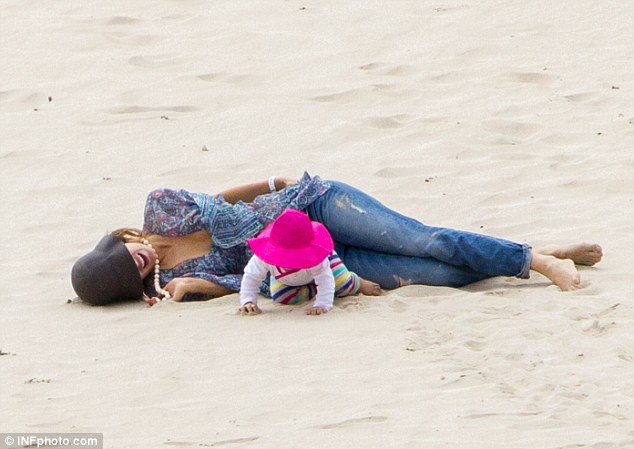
[248,192]
[179,287]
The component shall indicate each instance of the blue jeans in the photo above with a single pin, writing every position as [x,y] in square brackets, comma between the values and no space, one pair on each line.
[393,250]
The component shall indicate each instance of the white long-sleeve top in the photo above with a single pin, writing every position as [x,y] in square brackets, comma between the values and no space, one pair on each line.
[256,270]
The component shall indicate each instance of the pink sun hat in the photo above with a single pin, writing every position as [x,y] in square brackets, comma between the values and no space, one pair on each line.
[293,241]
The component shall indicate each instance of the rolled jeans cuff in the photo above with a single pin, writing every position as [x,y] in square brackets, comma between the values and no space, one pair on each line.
[526,266]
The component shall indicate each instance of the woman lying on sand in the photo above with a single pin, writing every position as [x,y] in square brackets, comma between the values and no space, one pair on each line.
[193,245]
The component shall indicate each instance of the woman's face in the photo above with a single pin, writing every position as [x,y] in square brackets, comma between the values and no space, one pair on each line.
[144,257]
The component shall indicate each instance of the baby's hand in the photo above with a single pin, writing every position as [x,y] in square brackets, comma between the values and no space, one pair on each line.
[316,311]
[250,309]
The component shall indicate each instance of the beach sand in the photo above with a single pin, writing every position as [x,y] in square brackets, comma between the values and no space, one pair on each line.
[510,118]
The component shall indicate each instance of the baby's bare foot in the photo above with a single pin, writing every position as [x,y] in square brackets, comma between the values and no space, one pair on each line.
[580,253]
[369,288]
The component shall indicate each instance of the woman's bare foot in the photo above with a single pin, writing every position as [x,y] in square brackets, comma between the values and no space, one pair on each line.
[580,253]
[562,273]
[369,288]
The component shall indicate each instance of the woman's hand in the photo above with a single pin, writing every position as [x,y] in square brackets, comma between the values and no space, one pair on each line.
[179,287]
[250,309]
[150,301]
[282,183]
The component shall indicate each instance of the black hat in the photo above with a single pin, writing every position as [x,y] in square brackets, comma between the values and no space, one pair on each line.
[107,274]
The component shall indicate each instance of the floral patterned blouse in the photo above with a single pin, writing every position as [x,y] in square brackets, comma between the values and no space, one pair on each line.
[175,213]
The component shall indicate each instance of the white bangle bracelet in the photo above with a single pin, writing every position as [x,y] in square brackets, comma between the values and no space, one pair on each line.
[272,184]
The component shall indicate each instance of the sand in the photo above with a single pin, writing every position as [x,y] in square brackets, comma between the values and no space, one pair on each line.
[510,118]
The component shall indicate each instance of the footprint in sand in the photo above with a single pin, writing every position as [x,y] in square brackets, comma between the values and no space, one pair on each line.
[225,78]
[511,128]
[23,97]
[564,139]
[395,172]
[389,122]
[155,62]
[123,20]
[373,66]
[501,292]
[582,97]
[343,96]
[597,329]
[211,444]
[624,355]
[388,69]
[475,345]
[492,415]
[398,306]
[132,39]
[142,109]
[531,77]
[362,94]
[349,422]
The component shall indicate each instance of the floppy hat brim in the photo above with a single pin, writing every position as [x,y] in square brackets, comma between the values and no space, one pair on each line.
[107,274]
[296,258]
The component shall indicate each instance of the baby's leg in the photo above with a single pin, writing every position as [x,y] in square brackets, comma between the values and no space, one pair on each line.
[287,294]
[348,283]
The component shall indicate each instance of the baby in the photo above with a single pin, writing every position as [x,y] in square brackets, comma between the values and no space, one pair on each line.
[299,256]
